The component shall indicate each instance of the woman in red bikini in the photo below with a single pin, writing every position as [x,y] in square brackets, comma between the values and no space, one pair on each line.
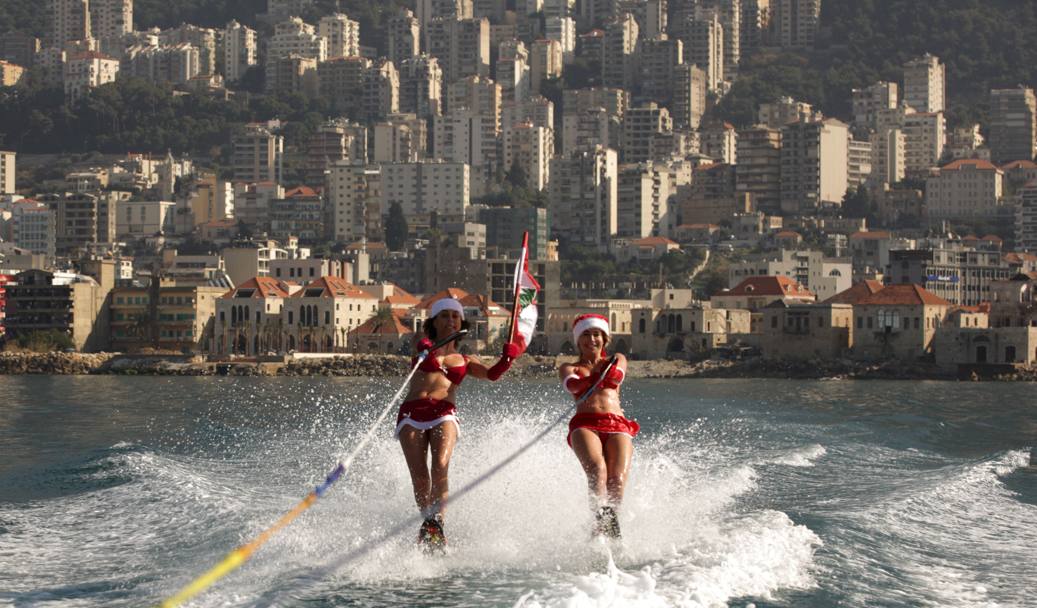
[599,434]
[427,421]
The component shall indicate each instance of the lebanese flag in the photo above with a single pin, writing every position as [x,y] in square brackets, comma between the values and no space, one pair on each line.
[524,312]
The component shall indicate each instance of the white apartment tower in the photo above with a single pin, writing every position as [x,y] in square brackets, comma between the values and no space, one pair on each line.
[404,37]
[461,46]
[584,197]
[342,35]
[1026,224]
[354,200]
[70,21]
[421,86]
[814,161]
[643,200]
[239,50]
[258,155]
[869,101]
[529,147]
[7,172]
[704,47]
[1013,124]
[925,84]
[795,22]
[110,19]
[424,188]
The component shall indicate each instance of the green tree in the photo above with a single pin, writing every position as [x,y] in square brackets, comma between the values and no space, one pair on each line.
[396,228]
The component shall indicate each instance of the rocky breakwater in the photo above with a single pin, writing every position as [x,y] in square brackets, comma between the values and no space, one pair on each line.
[388,366]
[53,363]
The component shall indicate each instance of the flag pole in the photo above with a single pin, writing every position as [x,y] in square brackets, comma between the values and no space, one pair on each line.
[520,267]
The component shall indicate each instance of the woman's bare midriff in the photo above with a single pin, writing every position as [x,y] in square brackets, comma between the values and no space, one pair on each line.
[602,401]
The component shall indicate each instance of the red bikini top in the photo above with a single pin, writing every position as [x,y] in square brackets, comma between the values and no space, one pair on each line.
[454,374]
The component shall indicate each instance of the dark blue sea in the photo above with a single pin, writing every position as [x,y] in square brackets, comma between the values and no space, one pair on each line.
[118,491]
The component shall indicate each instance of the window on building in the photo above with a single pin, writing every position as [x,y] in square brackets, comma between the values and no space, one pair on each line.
[774,322]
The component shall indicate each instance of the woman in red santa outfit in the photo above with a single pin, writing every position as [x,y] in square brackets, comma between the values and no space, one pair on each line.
[428,422]
[599,433]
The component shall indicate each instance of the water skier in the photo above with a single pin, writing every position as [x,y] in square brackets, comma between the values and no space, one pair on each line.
[427,421]
[599,433]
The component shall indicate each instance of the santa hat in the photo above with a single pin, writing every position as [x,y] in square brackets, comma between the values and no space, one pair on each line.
[446,304]
[589,321]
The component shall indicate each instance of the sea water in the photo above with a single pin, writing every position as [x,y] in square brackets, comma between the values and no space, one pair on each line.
[118,491]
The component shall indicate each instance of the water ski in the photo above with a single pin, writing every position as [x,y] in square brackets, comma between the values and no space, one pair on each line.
[431,538]
[606,524]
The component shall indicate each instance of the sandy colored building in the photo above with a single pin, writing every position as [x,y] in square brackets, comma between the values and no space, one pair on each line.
[679,332]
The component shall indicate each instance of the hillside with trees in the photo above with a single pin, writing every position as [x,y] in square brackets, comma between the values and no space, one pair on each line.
[984,43]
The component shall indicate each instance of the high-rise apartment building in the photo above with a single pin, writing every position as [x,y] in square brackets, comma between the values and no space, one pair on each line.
[795,22]
[755,22]
[1026,222]
[354,201]
[814,161]
[426,188]
[421,86]
[69,21]
[704,47]
[7,172]
[643,200]
[529,148]
[925,84]
[88,70]
[888,157]
[621,52]
[258,155]
[641,127]
[689,96]
[660,58]
[545,61]
[404,36]
[759,167]
[294,37]
[461,46]
[584,197]
[239,50]
[869,101]
[342,35]
[1013,124]
[400,138]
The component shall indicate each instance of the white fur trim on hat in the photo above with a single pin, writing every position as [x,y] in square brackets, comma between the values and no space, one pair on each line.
[446,304]
[590,322]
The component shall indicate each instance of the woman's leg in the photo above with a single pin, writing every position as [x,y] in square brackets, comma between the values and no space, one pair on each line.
[415,443]
[587,446]
[618,450]
[442,440]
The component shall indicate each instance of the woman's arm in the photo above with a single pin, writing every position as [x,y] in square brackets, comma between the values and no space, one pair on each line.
[479,369]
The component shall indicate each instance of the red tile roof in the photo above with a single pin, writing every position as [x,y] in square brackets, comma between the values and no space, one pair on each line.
[393,325]
[769,286]
[654,240]
[787,234]
[468,300]
[975,163]
[301,191]
[334,287]
[1019,164]
[872,234]
[856,293]
[904,294]
[266,287]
